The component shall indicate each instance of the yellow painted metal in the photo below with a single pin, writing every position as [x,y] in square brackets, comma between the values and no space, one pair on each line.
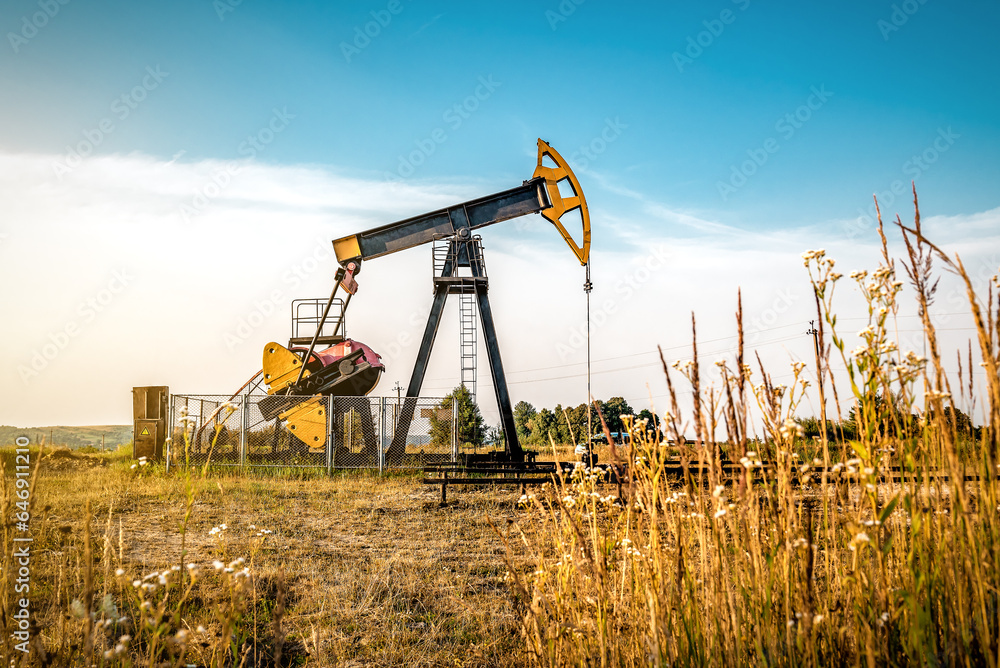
[280,367]
[347,248]
[307,421]
[560,204]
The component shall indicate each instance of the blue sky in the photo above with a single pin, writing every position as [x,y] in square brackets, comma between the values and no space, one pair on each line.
[716,123]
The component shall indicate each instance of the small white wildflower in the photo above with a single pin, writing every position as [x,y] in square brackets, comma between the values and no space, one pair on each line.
[77,610]
[859,539]
[120,572]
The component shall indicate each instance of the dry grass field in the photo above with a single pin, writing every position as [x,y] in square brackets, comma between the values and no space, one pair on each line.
[874,543]
[369,571]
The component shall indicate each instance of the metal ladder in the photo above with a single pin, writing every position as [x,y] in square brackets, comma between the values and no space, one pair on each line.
[467,340]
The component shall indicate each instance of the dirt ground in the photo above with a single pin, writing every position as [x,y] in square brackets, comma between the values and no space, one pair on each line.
[378,573]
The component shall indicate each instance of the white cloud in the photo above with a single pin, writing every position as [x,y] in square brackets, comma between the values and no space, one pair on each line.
[263,240]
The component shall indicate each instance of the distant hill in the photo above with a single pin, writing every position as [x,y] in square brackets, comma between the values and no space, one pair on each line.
[72,437]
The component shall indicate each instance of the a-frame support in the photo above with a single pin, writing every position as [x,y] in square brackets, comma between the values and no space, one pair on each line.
[463,251]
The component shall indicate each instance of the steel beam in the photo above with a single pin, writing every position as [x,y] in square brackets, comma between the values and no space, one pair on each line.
[530,197]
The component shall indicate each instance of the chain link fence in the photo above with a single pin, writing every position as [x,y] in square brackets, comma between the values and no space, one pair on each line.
[361,433]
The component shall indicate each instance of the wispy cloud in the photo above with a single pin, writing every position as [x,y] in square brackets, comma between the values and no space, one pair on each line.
[264,240]
[426,26]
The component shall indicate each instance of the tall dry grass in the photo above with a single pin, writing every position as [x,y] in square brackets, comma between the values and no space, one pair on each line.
[884,550]
[346,570]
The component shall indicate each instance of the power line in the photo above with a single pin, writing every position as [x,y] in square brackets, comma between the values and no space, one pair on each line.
[640,366]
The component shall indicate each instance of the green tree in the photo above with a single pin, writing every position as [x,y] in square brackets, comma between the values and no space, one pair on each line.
[494,437]
[523,415]
[561,434]
[652,422]
[578,419]
[471,426]
[613,410]
[544,425]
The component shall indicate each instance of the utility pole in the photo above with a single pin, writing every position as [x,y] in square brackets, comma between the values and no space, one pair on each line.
[815,334]
[399,389]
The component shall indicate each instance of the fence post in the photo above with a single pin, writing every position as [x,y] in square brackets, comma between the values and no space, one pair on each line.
[381,435]
[170,430]
[329,435]
[454,431]
[243,429]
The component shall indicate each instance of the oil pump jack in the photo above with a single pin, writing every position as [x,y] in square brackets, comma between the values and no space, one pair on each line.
[298,377]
